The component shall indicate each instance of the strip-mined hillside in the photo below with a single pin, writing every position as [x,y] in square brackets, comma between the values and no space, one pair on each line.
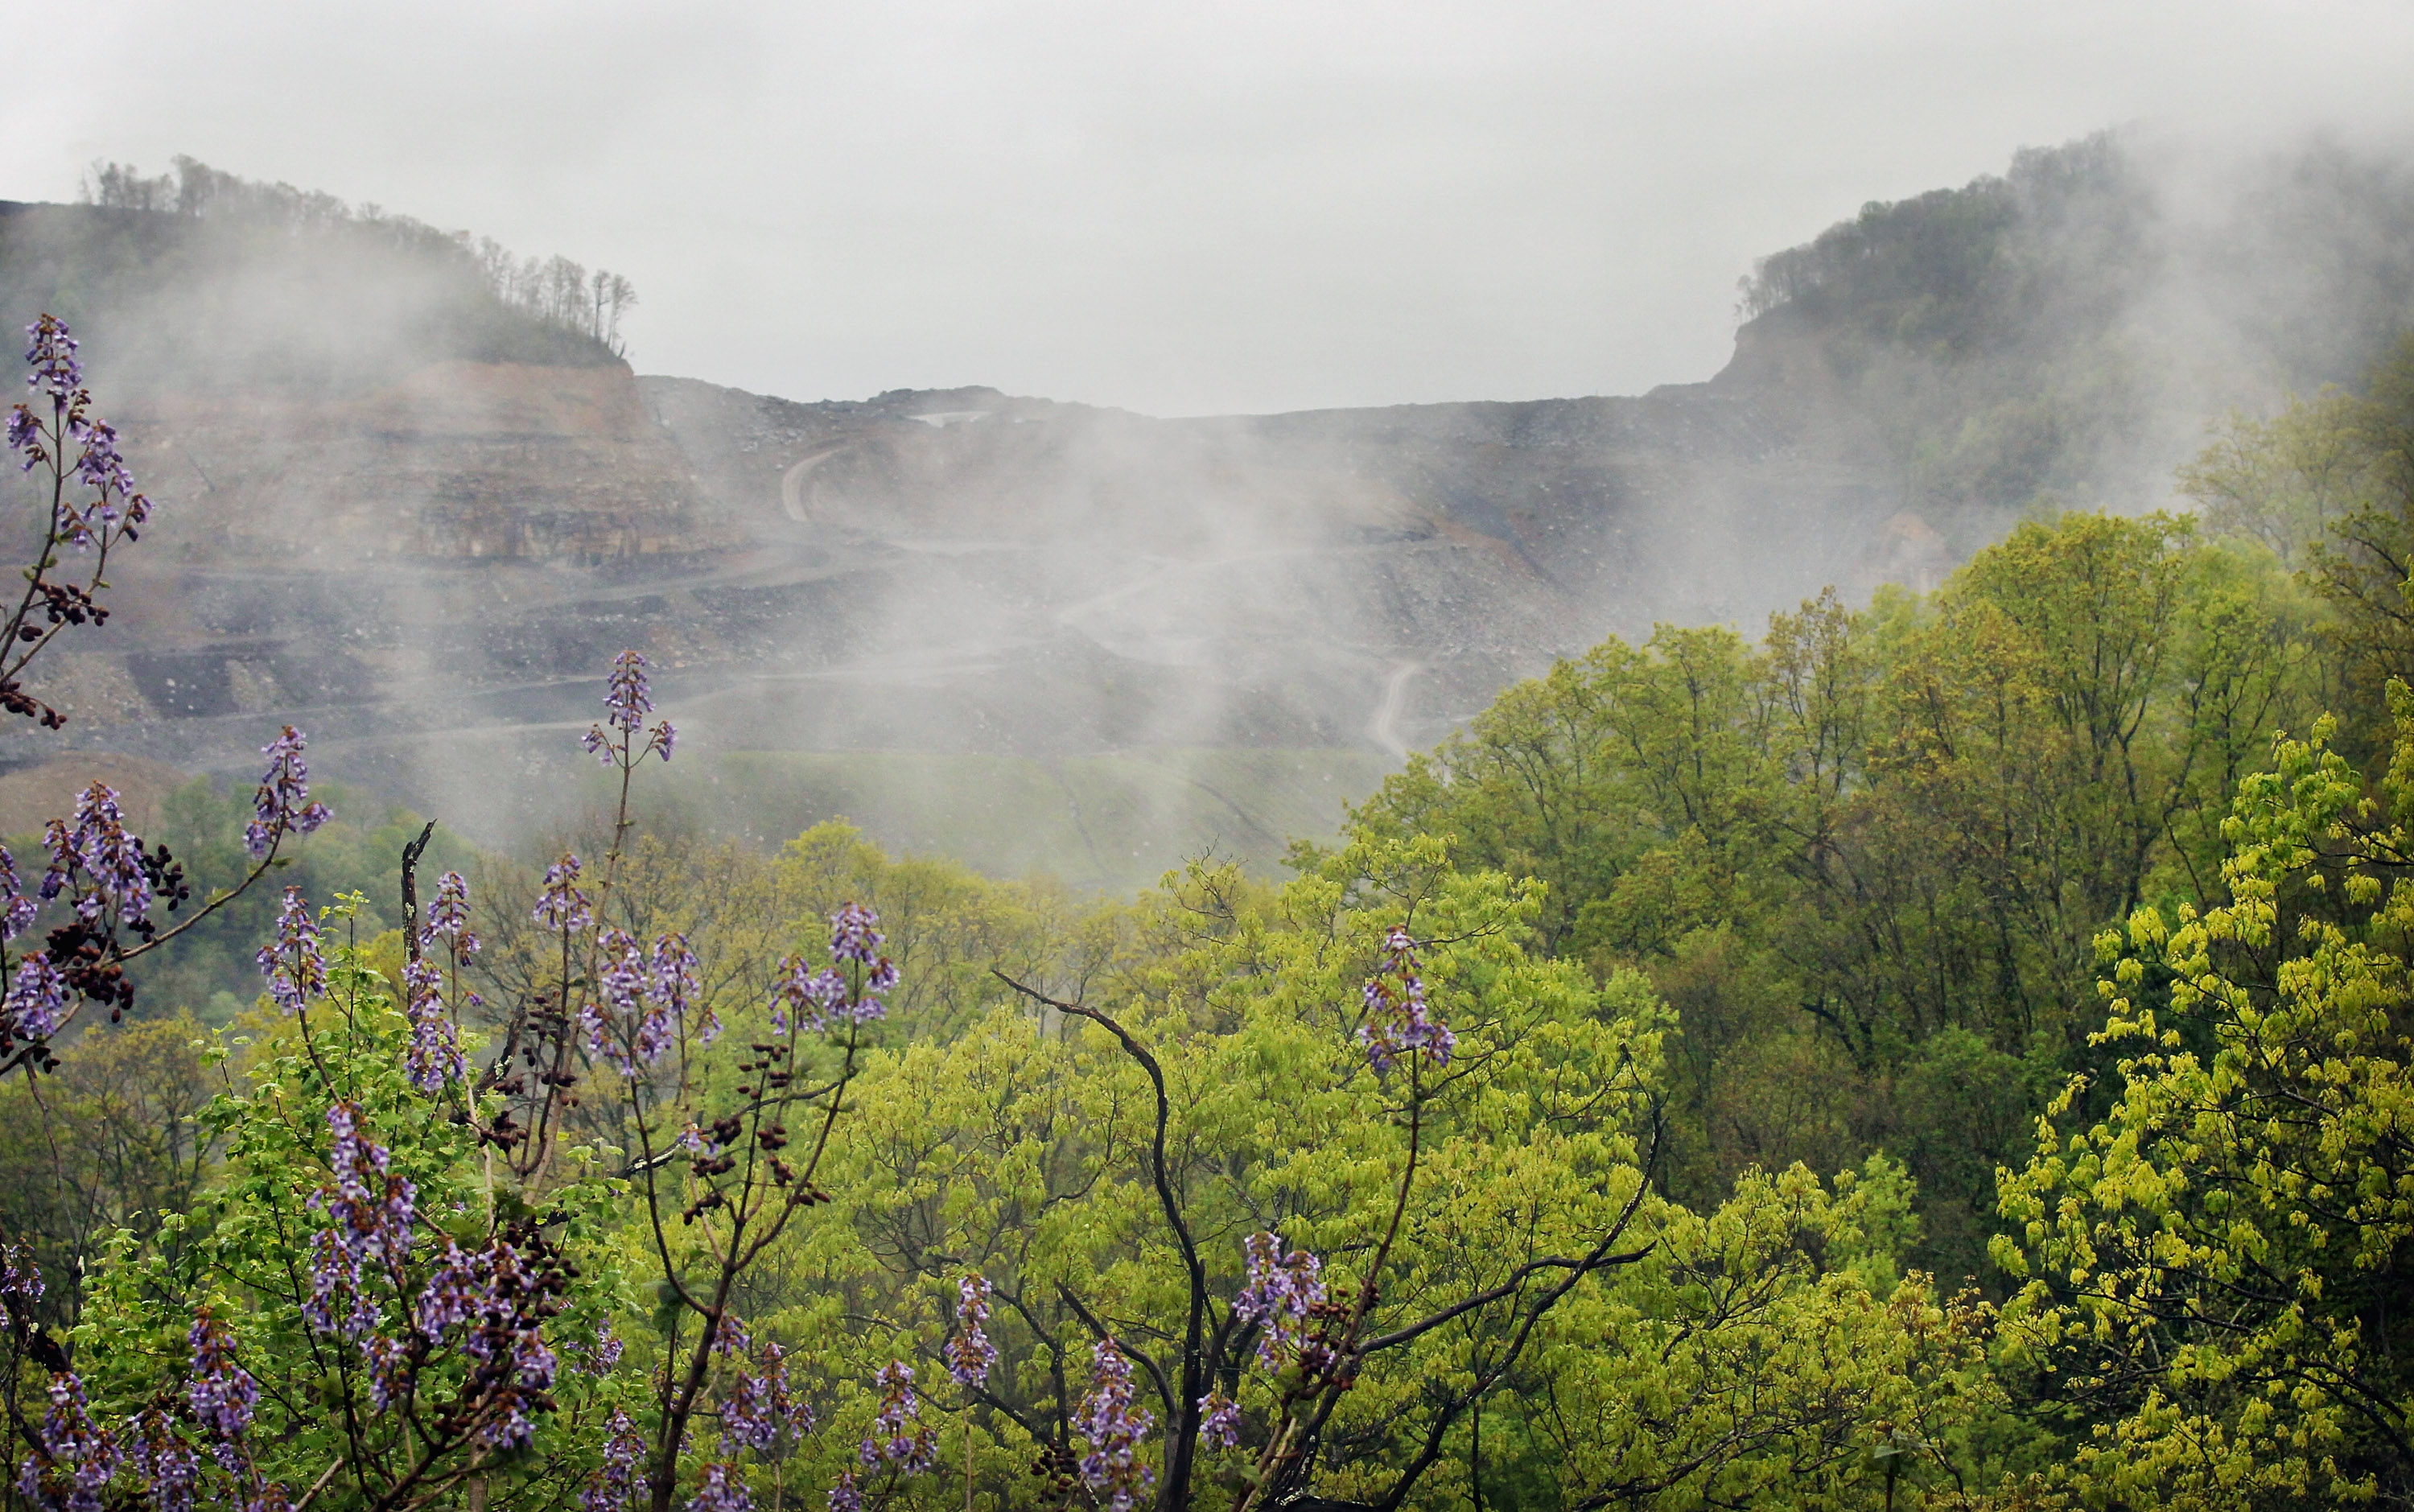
[409,505]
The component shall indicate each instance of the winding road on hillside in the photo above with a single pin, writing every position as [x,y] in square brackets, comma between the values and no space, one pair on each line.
[1385,728]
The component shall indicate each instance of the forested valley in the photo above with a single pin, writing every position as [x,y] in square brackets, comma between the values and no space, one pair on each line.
[1949,1051]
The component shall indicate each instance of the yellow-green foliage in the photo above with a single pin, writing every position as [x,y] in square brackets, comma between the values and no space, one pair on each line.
[2216,1262]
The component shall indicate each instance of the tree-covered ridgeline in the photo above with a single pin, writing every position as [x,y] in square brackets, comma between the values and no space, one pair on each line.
[1949,1053]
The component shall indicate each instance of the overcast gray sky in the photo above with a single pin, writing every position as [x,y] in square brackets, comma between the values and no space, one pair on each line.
[1179,209]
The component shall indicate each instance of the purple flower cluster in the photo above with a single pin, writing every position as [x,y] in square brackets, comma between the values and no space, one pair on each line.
[451,1292]
[645,999]
[101,467]
[729,1336]
[1280,1293]
[99,860]
[720,1489]
[37,1000]
[628,700]
[283,804]
[674,984]
[855,934]
[435,1054]
[814,1001]
[27,437]
[563,906]
[222,1393]
[608,1487]
[1397,1023]
[371,1212]
[899,1436]
[16,909]
[51,353]
[57,375]
[844,1495]
[620,984]
[1219,1421]
[295,970]
[600,1355]
[493,1299]
[1114,1426]
[757,1404]
[969,1353]
[20,1279]
[73,1456]
[162,1461]
[447,916]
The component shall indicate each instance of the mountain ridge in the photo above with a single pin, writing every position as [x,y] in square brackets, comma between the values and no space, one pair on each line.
[443,548]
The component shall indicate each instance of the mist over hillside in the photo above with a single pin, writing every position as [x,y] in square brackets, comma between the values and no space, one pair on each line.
[406,511]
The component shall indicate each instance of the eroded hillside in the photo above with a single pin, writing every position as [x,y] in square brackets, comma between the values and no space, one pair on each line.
[414,547]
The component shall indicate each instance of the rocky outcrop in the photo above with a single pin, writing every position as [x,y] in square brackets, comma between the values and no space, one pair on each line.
[456,462]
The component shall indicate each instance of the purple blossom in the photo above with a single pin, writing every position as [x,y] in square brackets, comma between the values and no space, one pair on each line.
[747,1421]
[51,353]
[73,1456]
[729,1336]
[20,1279]
[720,1489]
[493,1297]
[108,859]
[102,468]
[1219,1421]
[451,1292]
[626,694]
[607,1489]
[563,906]
[434,1055]
[295,970]
[664,986]
[1280,1293]
[819,998]
[845,1496]
[667,985]
[282,805]
[37,1000]
[757,1404]
[899,1436]
[627,701]
[855,934]
[1114,1426]
[448,916]
[390,1370]
[623,978]
[600,1355]
[805,998]
[164,1463]
[222,1393]
[674,983]
[1397,1023]
[27,437]
[969,1353]
[371,1212]
[16,909]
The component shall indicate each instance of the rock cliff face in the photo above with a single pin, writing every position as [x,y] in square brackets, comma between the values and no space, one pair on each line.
[456,462]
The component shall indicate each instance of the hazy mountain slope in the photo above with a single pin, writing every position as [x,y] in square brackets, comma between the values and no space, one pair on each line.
[417,520]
